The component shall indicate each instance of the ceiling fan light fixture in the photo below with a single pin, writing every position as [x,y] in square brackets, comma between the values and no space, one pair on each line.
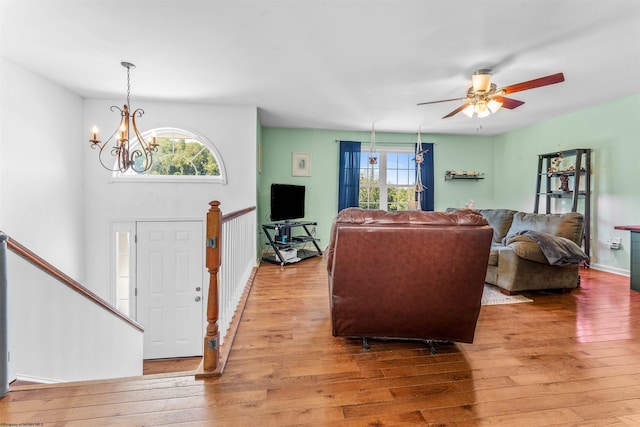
[481,81]
[494,105]
[480,107]
[484,113]
[468,110]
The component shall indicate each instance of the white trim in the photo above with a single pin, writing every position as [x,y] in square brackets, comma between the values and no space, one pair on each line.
[614,270]
[192,179]
[38,380]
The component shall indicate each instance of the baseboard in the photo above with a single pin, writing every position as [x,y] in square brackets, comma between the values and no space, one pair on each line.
[30,379]
[614,270]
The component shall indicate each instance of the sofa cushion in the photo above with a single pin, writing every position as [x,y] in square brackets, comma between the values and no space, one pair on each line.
[526,248]
[567,225]
[500,220]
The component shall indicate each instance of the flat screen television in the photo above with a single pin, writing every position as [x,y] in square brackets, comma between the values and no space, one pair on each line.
[287,202]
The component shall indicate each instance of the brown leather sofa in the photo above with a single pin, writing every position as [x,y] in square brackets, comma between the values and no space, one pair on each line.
[409,275]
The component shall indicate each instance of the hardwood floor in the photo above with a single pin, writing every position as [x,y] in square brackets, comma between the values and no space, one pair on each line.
[167,366]
[565,359]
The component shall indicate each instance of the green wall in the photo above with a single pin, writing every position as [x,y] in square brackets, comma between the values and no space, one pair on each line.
[509,161]
[450,152]
[612,131]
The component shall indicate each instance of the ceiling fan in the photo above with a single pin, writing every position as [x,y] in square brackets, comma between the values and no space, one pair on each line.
[484,97]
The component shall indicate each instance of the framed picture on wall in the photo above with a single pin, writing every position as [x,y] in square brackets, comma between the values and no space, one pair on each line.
[301,164]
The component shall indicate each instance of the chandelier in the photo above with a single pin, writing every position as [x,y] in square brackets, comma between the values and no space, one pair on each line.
[117,151]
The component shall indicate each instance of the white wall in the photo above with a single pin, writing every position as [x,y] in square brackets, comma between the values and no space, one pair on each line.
[57,200]
[232,129]
[611,131]
[41,188]
[59,335]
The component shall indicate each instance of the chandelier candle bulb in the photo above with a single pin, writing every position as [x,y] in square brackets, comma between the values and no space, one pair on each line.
[95,133]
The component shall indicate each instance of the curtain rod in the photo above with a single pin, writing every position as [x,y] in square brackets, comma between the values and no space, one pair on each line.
[386,143]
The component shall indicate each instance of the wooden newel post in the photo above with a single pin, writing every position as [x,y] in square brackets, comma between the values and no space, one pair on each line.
[212,336]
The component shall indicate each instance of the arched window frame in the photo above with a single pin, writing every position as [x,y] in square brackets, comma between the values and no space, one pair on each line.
[117,176]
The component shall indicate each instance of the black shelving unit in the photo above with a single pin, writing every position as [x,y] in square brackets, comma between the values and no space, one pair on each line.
[286,237]
[577,184]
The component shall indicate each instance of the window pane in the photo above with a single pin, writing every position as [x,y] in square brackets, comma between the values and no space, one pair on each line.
[369,198]
[401,198]
[370,175]
[392,160]
[404,160]
[178,155]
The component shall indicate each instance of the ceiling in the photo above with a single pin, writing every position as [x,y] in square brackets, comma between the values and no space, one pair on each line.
[334,64]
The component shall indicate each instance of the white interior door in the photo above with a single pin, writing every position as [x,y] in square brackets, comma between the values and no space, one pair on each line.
[169,287]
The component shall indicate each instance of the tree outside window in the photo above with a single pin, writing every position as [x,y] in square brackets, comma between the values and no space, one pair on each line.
[180,155]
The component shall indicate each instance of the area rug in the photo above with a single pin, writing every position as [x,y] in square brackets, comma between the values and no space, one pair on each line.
[492,296]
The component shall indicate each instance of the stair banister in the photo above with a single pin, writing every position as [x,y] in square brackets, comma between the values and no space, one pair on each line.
[229,238]
[4,341]
[212,336]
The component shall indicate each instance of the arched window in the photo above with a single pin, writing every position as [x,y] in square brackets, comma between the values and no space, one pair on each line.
[181,156]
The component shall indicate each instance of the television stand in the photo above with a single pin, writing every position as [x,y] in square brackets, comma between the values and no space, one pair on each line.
[289,248]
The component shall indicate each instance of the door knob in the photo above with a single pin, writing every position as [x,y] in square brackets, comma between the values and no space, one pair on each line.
[198,298]
[198,289]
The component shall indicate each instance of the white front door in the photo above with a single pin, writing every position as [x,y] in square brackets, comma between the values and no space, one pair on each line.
[169,287]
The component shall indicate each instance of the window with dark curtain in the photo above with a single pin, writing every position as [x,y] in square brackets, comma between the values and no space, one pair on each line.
[428,182]
[349,175]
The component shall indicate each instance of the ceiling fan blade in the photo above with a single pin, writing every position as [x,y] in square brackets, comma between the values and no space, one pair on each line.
[457,110]
[442,100]
[509,103]
[531,84]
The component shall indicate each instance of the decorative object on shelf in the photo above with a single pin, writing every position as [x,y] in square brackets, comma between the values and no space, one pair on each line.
[564,183]
[138,159]
[460,174]
[556,165]
[301,164]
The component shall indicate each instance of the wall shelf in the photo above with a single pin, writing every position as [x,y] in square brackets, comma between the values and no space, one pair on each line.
[453,175]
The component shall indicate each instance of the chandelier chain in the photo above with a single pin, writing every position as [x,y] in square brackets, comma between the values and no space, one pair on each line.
[128,87]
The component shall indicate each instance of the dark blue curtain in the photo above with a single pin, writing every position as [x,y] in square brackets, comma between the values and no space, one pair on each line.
[426,199]
[349,175]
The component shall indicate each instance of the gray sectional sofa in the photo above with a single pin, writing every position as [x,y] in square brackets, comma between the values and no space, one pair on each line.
[534,251]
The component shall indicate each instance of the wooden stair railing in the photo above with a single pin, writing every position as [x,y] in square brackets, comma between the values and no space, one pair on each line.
[52,271]
[212,336]
[211,364]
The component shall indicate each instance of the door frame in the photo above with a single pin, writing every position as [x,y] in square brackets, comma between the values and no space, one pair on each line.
[130,226]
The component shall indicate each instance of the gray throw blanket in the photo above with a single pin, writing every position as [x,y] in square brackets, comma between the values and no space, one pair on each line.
[557,250]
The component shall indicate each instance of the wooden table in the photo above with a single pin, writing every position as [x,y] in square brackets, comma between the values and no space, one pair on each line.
[635,254]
